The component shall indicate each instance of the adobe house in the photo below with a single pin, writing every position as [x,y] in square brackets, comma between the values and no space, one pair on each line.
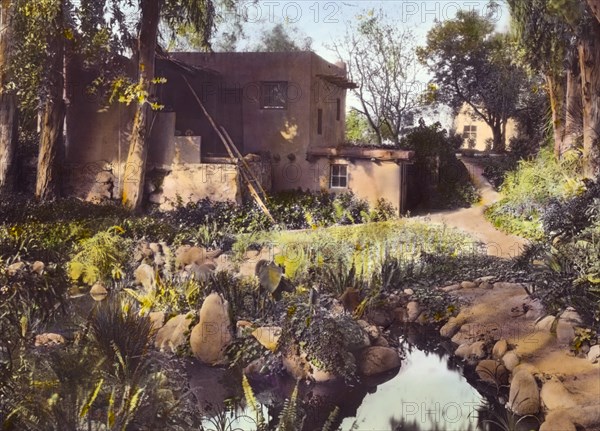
[285,113]
[477,134]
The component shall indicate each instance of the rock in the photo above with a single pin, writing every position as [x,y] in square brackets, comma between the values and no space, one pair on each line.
[15,267]
[486,279]
[202,272]
[555,396]
[38,267]
[409,292]
[157,318]
[376,360]
[524,396]
[565,331]
[49,339]
[400,315]
[557,421]
[149,187]
[510,360]
[571,316]
[492,372]
[381,316]
[451,288]
[255,367]
[155,247]
[535,309]
[98,292]
[545,324]
[463,351]
[186,255]
[172,336]
[478,350]
[382,342]
[268,336]
[486,285]
[144,275]
[594,354]
[586,417]
[505,285]
[413,310]
[142,251]
[355,337]
[371,330]
[451,327]
[499,349]
[212,334]
[468,285]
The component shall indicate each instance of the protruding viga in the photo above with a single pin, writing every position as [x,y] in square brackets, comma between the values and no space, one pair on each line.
[210,337]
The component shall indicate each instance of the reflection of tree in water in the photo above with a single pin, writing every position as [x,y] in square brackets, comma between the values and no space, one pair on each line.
[414,425]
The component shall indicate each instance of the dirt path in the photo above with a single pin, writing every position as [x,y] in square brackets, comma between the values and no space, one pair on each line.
[472,220]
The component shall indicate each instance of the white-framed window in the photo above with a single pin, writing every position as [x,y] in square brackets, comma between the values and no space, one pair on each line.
[469,132]
[273,94]
[338,177]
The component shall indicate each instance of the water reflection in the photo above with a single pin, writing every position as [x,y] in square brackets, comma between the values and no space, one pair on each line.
[430,392]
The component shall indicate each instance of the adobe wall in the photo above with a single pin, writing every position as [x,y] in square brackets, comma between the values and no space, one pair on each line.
[484,131]
[367,180]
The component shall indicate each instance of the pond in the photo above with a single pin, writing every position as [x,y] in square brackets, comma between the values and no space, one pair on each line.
[430,391]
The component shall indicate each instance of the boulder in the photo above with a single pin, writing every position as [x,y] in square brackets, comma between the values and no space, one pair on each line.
[202,272]
[451,288]
[173,334]
[376,360]
[524,396]
[186,255]
[510,360]
[409,292]
[98,292]
[486,279]
[381,316]
[382,342]
[588,417]
[38,267]
[594,354]
[554,395]
[451,327]
[468,285]
[499,349]
[400,315]
[49,339]
[144,275]
[571,316]
[268,336]
[565,331]
[355,337]
[371,330]
[557,421]
[157,319]
[15,267]
[478,350]
[413,310]
[545,324]
[463,351]
[212,334]
[492,372]
[486,285]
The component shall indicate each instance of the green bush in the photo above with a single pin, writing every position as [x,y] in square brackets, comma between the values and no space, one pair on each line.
[529,189]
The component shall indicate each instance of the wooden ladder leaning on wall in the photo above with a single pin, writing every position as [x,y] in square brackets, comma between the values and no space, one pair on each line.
[256,190]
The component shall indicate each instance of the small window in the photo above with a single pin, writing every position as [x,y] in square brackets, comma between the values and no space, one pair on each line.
[338,109]
[470,132]
[339,176]
[320,121]
[273,94]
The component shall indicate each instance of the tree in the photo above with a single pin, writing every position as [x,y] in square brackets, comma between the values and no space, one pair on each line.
[381,59]
[8,102]
[472,65]
[197,13]
[282,38]
[357,128]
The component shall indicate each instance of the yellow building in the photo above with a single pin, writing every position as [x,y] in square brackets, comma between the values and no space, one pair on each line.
[477,134]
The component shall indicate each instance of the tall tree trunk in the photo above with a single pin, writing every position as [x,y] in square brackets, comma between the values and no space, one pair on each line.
[47,185]
[8,102]
[499,144]
[574,112]
[556,94]
[135,168]
[595,8]
[589,63]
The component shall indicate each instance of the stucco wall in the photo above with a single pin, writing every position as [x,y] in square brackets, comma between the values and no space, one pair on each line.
[366,179]
[484,132]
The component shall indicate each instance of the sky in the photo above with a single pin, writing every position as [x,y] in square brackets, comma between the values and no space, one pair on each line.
[326,21]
